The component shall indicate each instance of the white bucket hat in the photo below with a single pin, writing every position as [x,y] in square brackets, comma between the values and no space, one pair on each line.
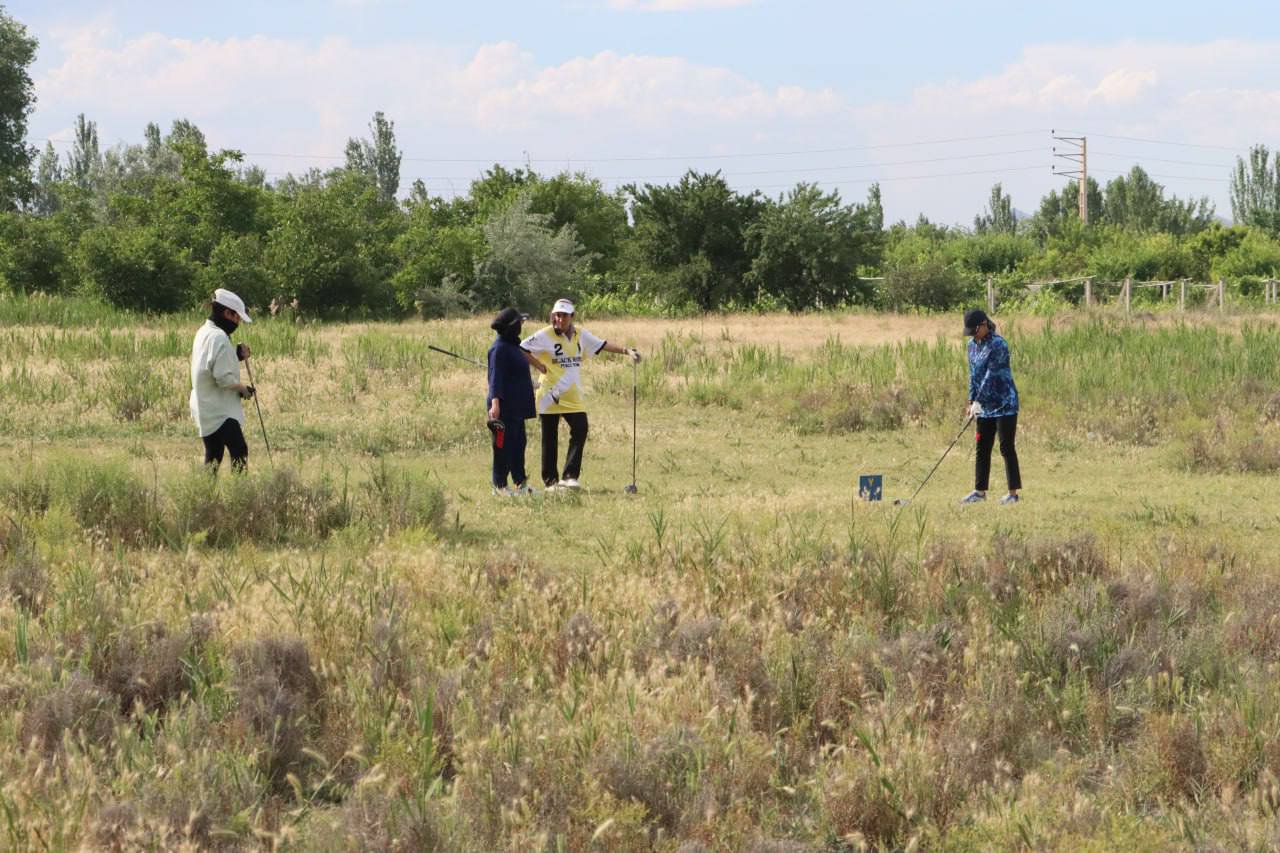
[562,306]
[227,299]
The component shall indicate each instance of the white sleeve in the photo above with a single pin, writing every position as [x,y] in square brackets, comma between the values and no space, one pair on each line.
[224,367]
[538,342]
[591,345]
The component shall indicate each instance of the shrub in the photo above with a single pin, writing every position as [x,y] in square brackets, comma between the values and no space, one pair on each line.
[77,708]
[133,387]
[278,702]
[136,268]
[930,285]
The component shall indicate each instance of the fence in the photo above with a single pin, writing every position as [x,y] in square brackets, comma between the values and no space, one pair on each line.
[1216,291]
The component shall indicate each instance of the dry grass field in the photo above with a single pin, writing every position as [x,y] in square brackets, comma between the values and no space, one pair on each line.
[359,647]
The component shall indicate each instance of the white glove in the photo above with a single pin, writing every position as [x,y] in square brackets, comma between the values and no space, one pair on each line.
[975,409]
[546,401]
[634,353]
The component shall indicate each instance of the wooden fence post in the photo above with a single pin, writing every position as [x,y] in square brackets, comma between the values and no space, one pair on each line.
[1182,294]
[1128,295]
[991,296]
[1222,293]
[1088,292]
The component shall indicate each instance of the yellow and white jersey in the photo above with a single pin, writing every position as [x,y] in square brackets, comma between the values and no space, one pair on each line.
[560,388]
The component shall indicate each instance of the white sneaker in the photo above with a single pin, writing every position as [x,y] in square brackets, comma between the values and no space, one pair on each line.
[570,483]
[520,491]
[504,491]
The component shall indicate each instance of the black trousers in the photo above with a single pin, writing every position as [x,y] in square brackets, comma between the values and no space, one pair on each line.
[988,429]
[509,458]
[230,437]
[551,446]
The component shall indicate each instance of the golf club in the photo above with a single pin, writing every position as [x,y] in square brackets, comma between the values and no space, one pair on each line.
[901,502]
[455,355]
[631,489]
[261,422]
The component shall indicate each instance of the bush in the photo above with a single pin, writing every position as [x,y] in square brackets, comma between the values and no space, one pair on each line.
[133,387]
[930,285]
[236,263]
[136,268]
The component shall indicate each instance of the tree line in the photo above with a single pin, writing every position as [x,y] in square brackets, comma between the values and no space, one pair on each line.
[157,225]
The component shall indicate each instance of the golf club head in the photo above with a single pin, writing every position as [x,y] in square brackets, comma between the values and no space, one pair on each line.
[631,489]
[901,501]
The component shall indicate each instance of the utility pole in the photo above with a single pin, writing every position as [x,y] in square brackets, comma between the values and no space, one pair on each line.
[1078,154]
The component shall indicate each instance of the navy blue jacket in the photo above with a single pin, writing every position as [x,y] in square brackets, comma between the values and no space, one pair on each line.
[509,381]
[991,378]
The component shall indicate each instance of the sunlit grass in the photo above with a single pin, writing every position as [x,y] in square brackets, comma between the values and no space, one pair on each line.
[360,647]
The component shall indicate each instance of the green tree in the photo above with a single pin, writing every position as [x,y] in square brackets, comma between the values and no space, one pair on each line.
[1255,190]
[1136,202]
[999,214]
[49,174]
[33,254]
[807,249]
[86,158]
[598,217]
[330,249]
[497,188]
[529,262]
[436,255]
[377,158]
[694,234]
[135,267]
[17,97]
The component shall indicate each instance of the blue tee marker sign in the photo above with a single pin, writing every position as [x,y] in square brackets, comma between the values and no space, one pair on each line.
[871,487]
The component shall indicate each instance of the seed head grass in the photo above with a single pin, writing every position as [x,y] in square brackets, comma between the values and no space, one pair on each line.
[359,647]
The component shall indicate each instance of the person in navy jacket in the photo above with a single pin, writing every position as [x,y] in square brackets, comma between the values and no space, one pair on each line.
[993,402]
[510,402]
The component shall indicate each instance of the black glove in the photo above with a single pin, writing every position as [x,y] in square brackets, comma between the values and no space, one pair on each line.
[248,392]
[240,352]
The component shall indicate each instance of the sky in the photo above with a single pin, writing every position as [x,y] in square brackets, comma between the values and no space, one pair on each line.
[935,101]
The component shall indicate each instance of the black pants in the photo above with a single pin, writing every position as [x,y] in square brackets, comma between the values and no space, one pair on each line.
[1006,428]
[551,446]
[509,458]
[230,437]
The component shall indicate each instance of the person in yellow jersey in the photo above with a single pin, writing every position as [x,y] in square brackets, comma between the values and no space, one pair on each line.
[561,349]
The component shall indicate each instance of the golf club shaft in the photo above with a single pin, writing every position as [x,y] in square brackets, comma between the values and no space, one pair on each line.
[634,392]
[936,465]
[455,355]
[270,459]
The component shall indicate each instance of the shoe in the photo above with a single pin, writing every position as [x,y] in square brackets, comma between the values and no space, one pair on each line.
[974,497]
[557,486]
[570,483]
[521,491]
[504,491]
[1009,499]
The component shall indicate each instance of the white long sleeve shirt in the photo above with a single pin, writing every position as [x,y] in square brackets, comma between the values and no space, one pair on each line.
[215,371]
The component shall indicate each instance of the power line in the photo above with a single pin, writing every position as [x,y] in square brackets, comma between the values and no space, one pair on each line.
[1160,160]
[1164,142]
[645,158]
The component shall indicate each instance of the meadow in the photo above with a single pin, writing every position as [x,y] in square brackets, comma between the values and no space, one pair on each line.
[357,646]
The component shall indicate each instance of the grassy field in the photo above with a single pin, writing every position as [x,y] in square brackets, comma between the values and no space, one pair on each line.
[360,648]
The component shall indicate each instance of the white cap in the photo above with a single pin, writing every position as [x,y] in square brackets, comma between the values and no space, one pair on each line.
[227,299]
[562,306]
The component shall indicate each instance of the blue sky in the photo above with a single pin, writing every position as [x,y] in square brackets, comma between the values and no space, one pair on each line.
[769,92]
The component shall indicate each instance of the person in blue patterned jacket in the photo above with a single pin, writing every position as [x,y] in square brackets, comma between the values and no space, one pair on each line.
[993,402]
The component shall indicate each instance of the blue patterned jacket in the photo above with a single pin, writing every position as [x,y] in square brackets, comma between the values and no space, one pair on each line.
[990,377]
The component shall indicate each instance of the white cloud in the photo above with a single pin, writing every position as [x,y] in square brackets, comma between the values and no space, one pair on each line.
[325,91]
[263,94]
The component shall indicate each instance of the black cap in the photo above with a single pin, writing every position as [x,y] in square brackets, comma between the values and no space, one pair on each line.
[973,319]
[508,321]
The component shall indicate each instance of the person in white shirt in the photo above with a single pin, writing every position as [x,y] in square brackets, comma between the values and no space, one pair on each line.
[216,389]
[560,349]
